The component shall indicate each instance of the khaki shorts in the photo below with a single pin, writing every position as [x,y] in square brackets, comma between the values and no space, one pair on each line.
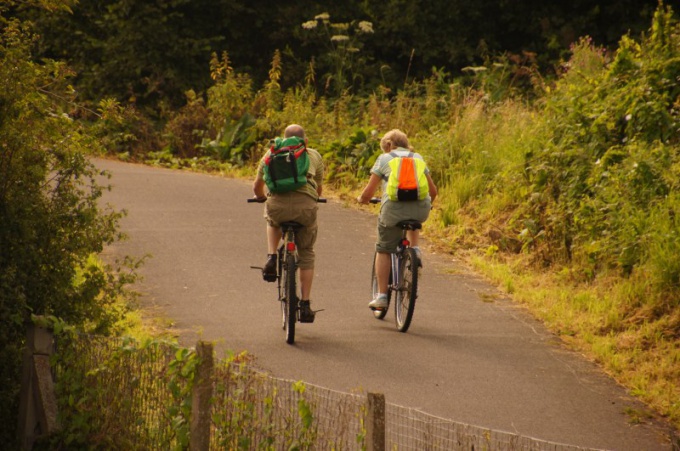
[393,212]
[298,207]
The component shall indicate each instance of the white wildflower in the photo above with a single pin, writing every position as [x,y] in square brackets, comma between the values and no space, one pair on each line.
[365,26]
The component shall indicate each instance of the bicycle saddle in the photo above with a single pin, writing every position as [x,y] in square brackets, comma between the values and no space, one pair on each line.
[291,225]
[410,224]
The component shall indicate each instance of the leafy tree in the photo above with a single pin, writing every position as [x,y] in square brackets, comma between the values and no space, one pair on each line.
[145,52]
[150,52]
[50,221]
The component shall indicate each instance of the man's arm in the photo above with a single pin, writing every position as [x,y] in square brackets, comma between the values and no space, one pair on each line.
[258,184]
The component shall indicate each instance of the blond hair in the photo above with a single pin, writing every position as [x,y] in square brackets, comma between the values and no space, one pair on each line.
[396,138]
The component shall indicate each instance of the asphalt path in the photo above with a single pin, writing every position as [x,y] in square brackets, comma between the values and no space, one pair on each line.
[471,355]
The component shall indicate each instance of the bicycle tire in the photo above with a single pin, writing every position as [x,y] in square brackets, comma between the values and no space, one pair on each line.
[279,276]
[379,314]
[290,305]
[407,292]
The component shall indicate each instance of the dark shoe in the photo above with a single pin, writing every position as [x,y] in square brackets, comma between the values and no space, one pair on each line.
[306,313]
[269,270]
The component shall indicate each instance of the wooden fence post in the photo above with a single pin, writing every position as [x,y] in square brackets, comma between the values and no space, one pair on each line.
[38,401]
[199,438]
[375,429]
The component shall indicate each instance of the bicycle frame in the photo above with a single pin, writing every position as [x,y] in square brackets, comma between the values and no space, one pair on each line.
[286,274]
[396,262]
[402,287]
[287,248]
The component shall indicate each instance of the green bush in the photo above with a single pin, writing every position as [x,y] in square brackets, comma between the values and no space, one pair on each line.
[50,220]
[611,160]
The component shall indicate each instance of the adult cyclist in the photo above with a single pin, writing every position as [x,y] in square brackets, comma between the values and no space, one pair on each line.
[394,144]
[300,206]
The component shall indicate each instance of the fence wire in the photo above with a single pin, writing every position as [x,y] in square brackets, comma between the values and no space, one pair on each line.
[412,429]
[118,390]
[128,395]
[252,410]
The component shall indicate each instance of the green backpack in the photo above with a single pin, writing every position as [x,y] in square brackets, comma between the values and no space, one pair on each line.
[286,166]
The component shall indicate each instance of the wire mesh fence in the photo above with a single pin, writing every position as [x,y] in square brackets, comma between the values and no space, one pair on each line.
[116,390]
[252,410]
[139,396]
[412,429]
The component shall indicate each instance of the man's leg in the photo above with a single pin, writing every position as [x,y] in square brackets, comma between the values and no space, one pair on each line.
[306,278]
[273,238]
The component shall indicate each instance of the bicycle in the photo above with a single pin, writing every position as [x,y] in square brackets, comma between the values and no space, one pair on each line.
[403,280]
[286,275]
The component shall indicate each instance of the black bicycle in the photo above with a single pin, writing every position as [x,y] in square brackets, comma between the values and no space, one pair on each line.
[286,275]
[403,281]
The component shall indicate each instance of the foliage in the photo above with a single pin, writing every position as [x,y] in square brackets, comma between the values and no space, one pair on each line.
[147,388]
[343,43]
[348,162]
[150,53]
[186,129]
[234,143]
[138,52]
[182,374]
[50,220]
[610,165]
[599,189]
[507,75]
[240,419]
[95,371]
[578,177]
[122,131]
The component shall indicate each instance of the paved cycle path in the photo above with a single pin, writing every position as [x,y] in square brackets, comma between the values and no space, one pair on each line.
[470,354]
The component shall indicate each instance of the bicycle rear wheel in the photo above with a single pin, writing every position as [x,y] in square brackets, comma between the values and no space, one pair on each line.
[379,314]
[290,301]
[407,292]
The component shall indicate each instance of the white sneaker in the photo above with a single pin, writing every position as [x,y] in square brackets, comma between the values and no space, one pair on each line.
[379,302]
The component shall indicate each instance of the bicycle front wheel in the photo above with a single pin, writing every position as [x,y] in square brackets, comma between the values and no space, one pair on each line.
[379,314]
[407,291]
[290,301]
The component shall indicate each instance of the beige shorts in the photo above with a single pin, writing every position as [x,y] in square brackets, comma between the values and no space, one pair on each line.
[393,212]
[298,207]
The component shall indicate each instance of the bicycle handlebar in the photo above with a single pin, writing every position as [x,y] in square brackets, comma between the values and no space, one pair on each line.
[321,200]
